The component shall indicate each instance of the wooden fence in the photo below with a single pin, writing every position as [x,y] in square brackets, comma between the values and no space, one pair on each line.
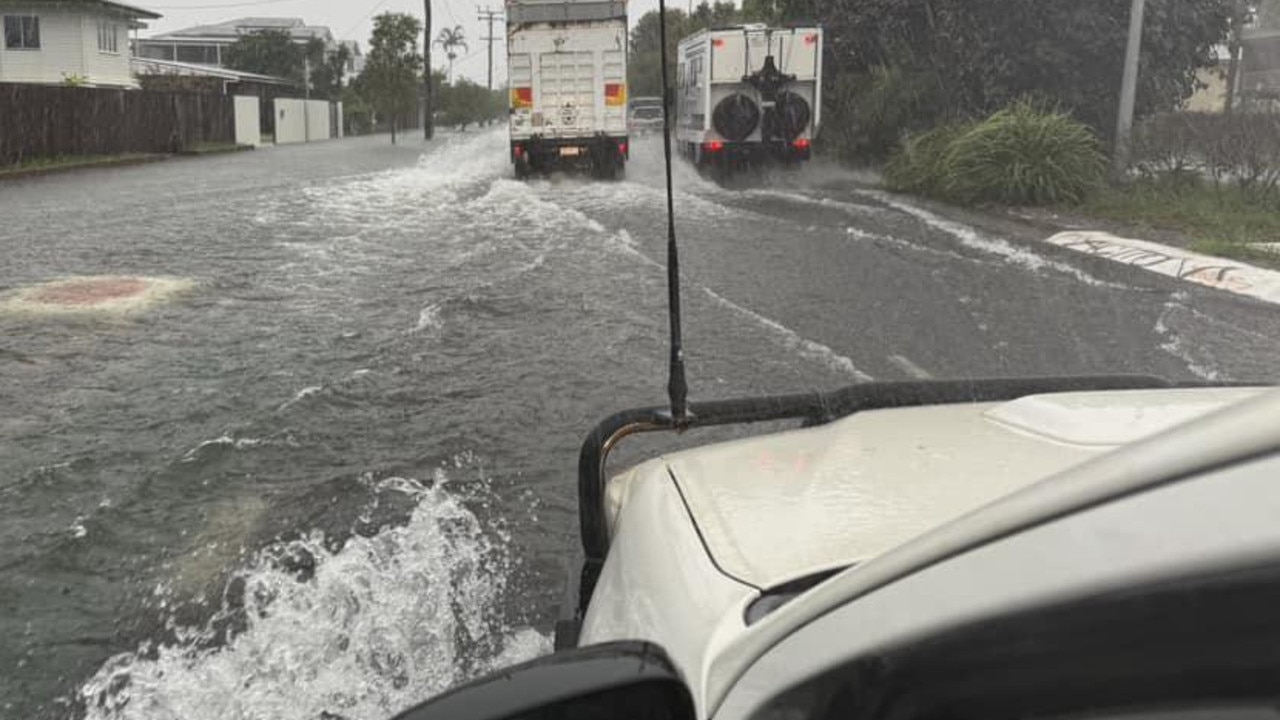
[51,121]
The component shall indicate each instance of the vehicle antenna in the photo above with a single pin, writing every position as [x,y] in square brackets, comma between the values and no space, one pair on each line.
[677,385]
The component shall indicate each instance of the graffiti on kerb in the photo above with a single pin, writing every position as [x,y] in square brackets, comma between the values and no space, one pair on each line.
[1193,268]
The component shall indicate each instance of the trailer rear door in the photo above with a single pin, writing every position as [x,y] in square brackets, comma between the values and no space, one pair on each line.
[566,92]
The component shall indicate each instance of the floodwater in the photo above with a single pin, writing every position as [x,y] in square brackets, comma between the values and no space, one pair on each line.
[335,473]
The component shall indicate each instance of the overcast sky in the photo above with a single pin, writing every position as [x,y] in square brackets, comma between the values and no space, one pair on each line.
[352,20]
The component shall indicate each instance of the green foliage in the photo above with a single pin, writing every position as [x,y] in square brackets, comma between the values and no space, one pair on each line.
[267,52]
[920,166]
[867,114]
[984,54]
[1241,150]
[1025,154]
[1220,220]
[464,102]
[274,53]
[327,70]
[74,80]
[390,79]
[644,64]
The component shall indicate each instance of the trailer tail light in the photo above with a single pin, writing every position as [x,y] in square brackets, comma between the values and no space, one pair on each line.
[801,143]
[811,39]
[522,97]
[622,149]
[615,94]
[714,146]
[519,151]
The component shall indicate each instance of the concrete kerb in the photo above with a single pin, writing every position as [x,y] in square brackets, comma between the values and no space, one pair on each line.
[1209,271]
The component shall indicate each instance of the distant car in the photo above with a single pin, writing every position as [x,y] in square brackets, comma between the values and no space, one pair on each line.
[644,115]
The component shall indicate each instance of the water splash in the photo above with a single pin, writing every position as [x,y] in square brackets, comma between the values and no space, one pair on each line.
[363,631]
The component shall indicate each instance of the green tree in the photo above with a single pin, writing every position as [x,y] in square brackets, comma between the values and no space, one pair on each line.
[977,56]
[644,64]
[389,82]
[450,39]
[267,52]
[327,69]
[465,102]
[763,11]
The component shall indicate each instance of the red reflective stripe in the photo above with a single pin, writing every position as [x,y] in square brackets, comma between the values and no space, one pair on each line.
[613,89]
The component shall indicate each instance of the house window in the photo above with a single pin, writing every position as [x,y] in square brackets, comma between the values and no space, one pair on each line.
[21,32]
[108,37]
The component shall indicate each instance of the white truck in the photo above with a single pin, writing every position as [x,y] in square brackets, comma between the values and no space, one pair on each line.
[749,94]
[567,70]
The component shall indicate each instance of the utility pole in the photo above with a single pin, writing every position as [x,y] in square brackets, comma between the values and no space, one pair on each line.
[428,108]
[1236,48]
[1128,91]
[489,15]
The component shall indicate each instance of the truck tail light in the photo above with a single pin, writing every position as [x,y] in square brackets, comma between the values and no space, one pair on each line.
[522,97]
[714,146]
[801,143]
[622,149]
[615,94]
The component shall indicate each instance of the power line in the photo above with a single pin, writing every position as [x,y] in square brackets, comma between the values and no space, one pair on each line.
[367,15]
[489,15]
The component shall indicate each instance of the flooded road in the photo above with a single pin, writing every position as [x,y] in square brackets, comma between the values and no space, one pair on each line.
[335,474]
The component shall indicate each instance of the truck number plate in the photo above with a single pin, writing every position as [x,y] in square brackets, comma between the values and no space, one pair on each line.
[570,151]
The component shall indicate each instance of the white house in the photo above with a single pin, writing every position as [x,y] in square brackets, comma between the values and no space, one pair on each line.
[79,40]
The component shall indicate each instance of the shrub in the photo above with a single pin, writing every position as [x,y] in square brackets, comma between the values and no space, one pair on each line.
[1240,150]
[1025,154]
[920,165]
[868,113]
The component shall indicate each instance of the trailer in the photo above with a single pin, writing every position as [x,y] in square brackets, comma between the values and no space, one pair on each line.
[567,70]
[749,95]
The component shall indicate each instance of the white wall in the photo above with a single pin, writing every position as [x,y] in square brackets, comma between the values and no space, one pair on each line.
[106,68]
[68,45]
[291,121]
[337,120]
[248,120]
[318,120]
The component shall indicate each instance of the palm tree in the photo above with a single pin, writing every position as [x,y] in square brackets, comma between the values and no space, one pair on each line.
[449,39]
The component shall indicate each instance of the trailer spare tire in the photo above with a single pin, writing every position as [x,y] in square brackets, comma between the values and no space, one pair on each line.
[789,118]
[736,117]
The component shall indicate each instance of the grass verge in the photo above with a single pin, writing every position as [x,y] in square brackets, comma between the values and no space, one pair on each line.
[1223,221]
[34,165]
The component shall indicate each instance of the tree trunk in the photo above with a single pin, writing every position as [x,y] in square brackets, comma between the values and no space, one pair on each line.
[393,128]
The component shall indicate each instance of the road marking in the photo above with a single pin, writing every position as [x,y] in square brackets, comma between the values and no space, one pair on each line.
[1214,272]
[910,368]
[792,340]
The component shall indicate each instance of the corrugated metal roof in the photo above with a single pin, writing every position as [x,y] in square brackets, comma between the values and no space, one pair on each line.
[118,6]
[170,67]
[233,29]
